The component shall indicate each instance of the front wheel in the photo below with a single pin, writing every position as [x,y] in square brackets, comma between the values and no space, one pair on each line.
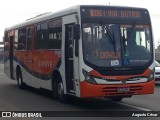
[58,90]
[61,96]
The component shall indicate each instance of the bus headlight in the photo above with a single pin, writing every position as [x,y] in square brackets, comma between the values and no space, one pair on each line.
[88,77]
[151,77]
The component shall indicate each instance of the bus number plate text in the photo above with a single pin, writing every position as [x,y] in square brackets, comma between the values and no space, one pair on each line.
[123,89]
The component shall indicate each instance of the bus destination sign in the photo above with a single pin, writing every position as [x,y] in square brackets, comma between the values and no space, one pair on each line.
[112,13]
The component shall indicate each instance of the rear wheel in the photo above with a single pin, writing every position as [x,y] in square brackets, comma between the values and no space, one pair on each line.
[20,83]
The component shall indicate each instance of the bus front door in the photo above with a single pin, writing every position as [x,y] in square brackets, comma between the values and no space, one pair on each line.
[69,42]
[71,60]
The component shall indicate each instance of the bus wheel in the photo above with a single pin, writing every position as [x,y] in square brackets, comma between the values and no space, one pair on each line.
[60,89]
[20,83]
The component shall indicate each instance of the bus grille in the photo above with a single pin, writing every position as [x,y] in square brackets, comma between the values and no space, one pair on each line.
[126,72]
[114,90]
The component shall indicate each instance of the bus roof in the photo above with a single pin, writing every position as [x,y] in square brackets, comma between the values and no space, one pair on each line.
[44,16]
[48,16]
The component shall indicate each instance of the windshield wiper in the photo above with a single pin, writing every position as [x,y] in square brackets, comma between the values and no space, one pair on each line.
[110,36]
[124,40]
[127,38]
[131,33]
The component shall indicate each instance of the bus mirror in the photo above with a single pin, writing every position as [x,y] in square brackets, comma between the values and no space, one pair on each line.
[77,32]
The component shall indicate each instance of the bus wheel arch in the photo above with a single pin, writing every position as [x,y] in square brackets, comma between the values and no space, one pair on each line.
[58,87]
[19,77]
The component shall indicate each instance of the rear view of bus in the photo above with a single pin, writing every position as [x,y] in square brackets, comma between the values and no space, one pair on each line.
[118,52]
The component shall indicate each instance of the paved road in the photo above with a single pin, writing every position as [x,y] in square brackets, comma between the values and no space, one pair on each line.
[14,99]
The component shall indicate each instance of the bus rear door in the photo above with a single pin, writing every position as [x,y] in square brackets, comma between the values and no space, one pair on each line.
[11,37]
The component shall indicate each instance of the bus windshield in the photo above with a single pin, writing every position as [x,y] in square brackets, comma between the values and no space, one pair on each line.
[117,45]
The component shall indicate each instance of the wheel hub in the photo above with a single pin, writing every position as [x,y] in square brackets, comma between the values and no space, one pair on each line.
[60,88]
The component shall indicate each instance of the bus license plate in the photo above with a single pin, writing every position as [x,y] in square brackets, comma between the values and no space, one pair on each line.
[125,89]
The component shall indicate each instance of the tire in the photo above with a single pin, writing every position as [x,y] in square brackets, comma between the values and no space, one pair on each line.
[58,90]
[20,83]
[54,89]
[61,96]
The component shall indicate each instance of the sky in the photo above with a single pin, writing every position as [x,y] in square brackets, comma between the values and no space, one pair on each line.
[16,11]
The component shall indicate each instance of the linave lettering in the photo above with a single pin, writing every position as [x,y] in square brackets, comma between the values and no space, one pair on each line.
[45,64]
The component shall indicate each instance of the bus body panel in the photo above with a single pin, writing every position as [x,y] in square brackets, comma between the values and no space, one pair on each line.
[38,65]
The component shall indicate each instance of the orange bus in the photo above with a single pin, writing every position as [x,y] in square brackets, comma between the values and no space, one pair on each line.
[84,51]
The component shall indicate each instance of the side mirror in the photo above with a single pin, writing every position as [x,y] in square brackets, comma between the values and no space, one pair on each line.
[76,32]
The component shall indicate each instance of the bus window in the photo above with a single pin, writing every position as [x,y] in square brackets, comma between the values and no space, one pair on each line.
[6,42]
[143,39]
[41,36]
[22,39]
[29,39]
[137,43]
[55,34]
[16,40]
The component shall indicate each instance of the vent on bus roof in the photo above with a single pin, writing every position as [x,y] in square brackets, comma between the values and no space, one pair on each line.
[39,15]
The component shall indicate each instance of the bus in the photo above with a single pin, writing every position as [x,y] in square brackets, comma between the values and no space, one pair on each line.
[85,51]
[1,53]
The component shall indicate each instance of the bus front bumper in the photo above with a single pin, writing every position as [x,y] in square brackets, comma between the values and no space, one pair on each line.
[96,90]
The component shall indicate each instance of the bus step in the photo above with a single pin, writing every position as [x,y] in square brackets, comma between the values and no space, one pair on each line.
[71,91]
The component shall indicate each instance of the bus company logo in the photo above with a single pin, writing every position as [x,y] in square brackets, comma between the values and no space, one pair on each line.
[21,114]
[109,78]
[123,81]
[6,114]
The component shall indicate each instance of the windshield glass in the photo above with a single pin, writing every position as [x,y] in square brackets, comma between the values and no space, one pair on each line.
[116,45]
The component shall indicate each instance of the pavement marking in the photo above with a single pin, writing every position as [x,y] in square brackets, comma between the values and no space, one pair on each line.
[140,108]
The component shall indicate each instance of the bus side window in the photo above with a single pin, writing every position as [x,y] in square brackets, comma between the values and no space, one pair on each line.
[22,39]
[6,42]
[41,41]
[44,36]
[38,32]
[16,40]
[29,38]
[55,34]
